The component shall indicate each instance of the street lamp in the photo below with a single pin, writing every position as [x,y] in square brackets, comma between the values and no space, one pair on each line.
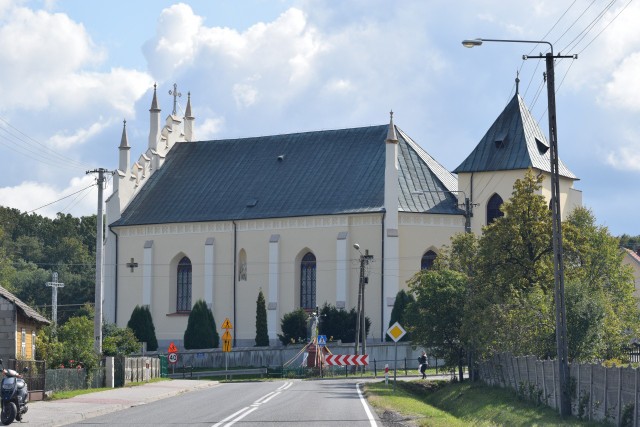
[467,205]
[558,267]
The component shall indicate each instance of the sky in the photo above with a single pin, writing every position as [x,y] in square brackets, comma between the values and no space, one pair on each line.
[73,70]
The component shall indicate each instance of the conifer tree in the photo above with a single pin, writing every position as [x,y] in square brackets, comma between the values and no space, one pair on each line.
[398,312]
[201,328]
[262,334]
[141,323]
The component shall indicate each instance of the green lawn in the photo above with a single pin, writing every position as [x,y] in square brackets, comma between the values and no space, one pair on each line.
[440,404]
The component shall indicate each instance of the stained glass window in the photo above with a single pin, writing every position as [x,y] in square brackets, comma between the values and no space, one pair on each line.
[308,281]
[183,300]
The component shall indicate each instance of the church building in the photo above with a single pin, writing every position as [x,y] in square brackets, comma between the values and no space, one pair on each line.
[221,220]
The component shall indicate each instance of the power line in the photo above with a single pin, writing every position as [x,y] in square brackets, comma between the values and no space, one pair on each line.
[606,26]
[65,197]
[582,34]
[42,152]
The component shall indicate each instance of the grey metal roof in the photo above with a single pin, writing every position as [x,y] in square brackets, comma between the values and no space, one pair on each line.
[514,141]
[425,185]
[314,173]
[26,310]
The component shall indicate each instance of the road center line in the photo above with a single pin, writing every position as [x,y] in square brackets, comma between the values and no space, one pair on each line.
[237,416]
[231,416]
[241,417]
[270,397]
[262,399]
[372,420]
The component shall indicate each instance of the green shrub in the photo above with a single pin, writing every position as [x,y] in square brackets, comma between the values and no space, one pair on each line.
[294,327]
[201,328]
[339,324]
[141,323]
[118,341]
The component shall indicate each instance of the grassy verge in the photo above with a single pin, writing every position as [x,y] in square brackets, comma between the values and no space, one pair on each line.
[440,404]
[68,394]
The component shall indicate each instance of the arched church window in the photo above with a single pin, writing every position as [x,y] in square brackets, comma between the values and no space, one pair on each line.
[493,208]
[308,281]
[242,266]
[183,297]
[427,260]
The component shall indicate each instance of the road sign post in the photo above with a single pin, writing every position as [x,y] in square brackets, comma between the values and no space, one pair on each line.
[226,341]
[173,356]
[396,331]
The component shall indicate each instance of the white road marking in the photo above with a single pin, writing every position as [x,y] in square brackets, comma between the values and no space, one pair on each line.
[259,401]
[237,416]
[231,416]
[235,420]
[270,397]
[372,420]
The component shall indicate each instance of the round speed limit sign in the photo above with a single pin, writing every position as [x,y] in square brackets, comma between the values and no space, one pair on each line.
[173,357]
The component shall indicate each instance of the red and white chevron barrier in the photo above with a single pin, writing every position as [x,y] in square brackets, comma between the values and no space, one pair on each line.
[347,359]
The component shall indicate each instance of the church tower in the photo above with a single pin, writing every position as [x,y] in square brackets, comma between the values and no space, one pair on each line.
[513,144]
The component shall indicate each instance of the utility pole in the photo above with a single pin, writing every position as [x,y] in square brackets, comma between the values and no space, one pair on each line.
[97,320]
[361,323]
[54,296]
[558,263]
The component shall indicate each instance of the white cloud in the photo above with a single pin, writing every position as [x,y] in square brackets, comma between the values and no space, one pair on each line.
[625,158]
[50,47]
[30,195]
[49,67]
[623,91]
[175,41]
[245,95]
[79,136]
[210,128]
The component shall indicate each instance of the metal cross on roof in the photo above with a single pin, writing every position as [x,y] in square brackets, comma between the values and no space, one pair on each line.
[176,95]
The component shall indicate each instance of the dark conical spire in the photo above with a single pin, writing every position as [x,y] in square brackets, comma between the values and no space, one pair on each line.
[517,82]
[513,142]
[154,102]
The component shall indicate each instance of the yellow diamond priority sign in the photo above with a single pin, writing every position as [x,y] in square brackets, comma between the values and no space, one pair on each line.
[396,332]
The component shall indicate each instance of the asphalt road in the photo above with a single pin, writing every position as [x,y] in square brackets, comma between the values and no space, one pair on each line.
[271,403]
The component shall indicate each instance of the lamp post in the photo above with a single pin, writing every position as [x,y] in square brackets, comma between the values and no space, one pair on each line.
[558,265]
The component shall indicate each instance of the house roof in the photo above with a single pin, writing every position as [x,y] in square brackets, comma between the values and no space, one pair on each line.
[514,141]
[301,174]
[633,255]
[24,308]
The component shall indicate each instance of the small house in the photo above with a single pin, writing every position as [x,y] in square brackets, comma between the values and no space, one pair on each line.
[19,326]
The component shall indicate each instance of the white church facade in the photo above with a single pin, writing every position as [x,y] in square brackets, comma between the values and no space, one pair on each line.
[221,220]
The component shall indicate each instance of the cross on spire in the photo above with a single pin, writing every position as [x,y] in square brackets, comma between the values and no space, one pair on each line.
[176,95]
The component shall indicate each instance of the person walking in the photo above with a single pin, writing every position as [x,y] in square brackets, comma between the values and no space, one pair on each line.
[424,364]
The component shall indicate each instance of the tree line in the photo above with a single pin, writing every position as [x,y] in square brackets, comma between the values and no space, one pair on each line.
[32,247]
